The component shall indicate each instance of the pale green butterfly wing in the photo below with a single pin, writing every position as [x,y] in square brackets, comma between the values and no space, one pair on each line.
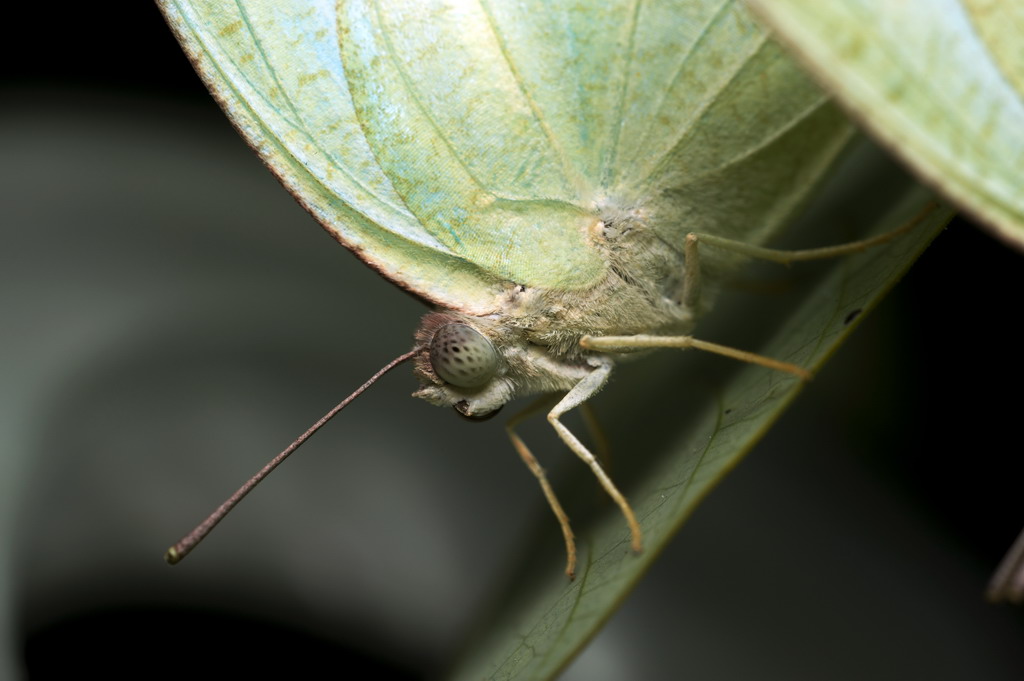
[941,82]
[729,131]
[505,125]
[459,145]
[276,69]
[437,88]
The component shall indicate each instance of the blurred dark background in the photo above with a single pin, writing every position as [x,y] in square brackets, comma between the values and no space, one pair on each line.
[171,318]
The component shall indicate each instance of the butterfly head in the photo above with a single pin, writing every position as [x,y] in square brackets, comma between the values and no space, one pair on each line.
[460,366]
[477,364]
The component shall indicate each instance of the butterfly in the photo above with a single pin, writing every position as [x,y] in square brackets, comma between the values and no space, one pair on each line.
[564,183]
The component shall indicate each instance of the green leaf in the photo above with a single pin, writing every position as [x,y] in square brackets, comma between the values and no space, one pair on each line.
[941,83]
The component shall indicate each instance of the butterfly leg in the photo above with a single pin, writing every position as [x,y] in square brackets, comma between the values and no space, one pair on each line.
[590,420]
[691,280]
[647,342]
[691,293]
[599,441]
[579,394]
[538,472]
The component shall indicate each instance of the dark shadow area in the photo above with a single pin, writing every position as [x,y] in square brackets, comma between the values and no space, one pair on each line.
[139,642]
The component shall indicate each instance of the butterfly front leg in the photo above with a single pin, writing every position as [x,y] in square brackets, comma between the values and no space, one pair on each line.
[576,397]
[691,252]
[648,342]
[580,393]
[538,472]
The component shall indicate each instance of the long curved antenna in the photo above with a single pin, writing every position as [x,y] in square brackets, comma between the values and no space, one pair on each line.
[189,541]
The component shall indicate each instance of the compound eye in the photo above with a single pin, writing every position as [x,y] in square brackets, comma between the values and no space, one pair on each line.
[462,356]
